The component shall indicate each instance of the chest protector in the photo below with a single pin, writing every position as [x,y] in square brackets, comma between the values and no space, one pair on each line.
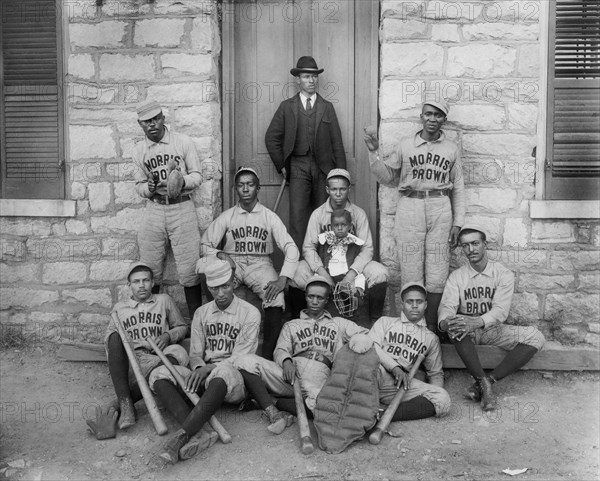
[347,405]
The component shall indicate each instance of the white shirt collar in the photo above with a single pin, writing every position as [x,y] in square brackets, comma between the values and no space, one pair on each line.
[303,98]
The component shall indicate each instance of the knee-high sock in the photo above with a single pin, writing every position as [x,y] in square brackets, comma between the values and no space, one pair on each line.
[172,399]
[467,352]
[417,408]
[209,403]
[288,404]
[193,298]
[513,361]
[431,313]
[377,300]
[118,366]
[257,389]
[272,328]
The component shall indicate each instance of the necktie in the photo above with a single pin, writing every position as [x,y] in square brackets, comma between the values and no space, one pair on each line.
[308,107]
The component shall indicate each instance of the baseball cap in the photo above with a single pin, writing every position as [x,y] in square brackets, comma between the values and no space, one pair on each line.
[135,265]
[217,271]
[475,227]
[410,285]
[245,170]
[148,109]
[339,173]
[443,106]
[317,278]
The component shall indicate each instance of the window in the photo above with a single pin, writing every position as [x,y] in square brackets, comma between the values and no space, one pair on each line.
[31,101]
[573,122]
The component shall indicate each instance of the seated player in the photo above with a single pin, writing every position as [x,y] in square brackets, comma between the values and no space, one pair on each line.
[251,231]
[143,315]
[223,329]
[474,306]
[398,342]
[306,348]
[376,274]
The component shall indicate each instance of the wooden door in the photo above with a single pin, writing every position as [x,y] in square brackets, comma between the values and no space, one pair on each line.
[262,41]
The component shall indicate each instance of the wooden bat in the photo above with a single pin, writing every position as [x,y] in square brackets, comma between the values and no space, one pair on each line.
[386,419]
[305,438]
[279,195]
[157,419]
[214,422]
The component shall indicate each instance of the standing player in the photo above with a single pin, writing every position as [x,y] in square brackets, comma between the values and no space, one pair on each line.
[306,348]
[338,189]
[474,306]
[398,342]
[223,329]
[304,141]
[251,231]
[143,315]
[427,170]
[168,170]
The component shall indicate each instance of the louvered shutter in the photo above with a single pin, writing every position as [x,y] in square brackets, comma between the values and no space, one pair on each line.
[573,163]
[32,144]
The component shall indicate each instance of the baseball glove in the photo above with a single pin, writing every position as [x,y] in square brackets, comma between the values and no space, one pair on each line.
[174,184]
[344,299]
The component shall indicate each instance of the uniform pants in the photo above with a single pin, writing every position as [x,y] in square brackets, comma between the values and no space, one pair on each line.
[507,336]
[256,272]
[375,273]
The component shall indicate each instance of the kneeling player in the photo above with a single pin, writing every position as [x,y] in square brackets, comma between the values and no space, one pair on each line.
[221,330]
[306,348]
[398,341]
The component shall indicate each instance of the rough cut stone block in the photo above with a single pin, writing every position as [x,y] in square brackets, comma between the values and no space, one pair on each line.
[529,60]
[492,200]
[490,224]
[83,206]
[12,250]
[64,273]
[60,249]
[99,196]
[594,327]
[125,193]
[91,94]
[572,307]
[445,33]
[15,274]
[388,200]
[397,29]
[500,31]
[120,8]
[126,67]
[205,36]
[81,65]
[199,118]
[126,221]
[575,260]
[524,309]
[58,229]
[108,271]
[107,34]
[159,32]
[522,117]
[450,10]
[77,191]
[402,8]
[186,7]
[26,298]
[91,142]
[178,64]
[529,282]
[400,98]
[589,282]
[76,227]
[552,232]
[481,61]
[24,227]
[500,145]
[120,249]
[124,120]
[479,117]
[100,297]
[593,339]
[190,92]
[515,232]
[123,293]
[412,59]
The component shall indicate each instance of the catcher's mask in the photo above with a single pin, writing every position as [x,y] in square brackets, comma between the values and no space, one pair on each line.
[344,299]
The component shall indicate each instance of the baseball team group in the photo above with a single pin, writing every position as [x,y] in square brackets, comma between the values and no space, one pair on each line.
[328,248]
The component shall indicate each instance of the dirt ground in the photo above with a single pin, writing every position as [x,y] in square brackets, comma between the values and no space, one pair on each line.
[547,423]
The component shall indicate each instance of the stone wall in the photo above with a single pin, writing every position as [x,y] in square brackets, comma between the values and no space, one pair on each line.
[484,59]
[60,276]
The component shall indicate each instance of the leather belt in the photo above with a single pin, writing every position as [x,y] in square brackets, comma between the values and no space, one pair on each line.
[165,200]
[315,356]
[423,194]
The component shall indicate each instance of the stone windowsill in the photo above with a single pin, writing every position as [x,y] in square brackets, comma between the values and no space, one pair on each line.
[37,208]
[564,209]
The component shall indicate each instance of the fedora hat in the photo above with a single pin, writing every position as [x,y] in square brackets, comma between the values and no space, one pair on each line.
[306,64]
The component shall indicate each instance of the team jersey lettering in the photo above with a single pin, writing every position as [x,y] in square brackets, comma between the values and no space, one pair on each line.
[321,336]
[160,160]
[139,327]
[477,300]
[221,336]
[422,164]
[402,345]
[250,240]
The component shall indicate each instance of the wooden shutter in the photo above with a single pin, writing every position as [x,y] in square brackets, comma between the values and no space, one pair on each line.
[31,103]
[573,131]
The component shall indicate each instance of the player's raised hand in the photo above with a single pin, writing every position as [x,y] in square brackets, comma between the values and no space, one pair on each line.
[371,138]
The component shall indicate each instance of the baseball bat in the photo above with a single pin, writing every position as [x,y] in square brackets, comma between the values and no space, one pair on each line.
[224,436]
[157,419]
[279,195]
[305,437]
[386,419]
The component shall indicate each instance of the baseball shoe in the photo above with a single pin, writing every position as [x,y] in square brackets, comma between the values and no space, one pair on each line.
[170,451]
[200,441]
[488,398]
[127,416]
[174,184]
[278,420]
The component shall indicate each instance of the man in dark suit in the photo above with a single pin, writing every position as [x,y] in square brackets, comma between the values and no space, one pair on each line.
[304,141]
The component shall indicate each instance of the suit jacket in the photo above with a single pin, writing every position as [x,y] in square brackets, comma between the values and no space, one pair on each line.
[281,135]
